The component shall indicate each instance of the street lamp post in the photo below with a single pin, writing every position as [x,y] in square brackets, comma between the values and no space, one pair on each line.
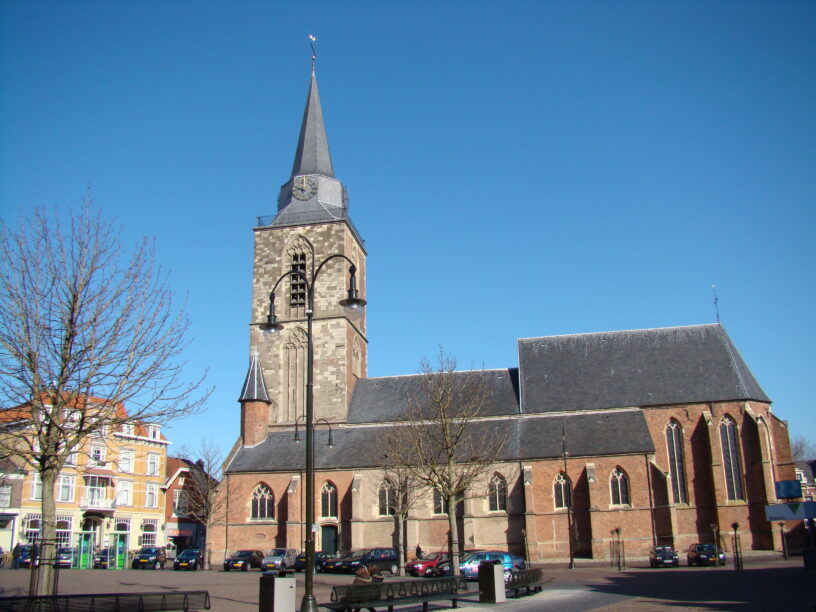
[782,535]
[569,499]
[354,304]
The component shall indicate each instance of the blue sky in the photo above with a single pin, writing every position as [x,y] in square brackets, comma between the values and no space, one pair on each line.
[517,169]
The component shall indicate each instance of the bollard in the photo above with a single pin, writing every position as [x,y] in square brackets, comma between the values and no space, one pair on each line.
[491,583]
[277,592]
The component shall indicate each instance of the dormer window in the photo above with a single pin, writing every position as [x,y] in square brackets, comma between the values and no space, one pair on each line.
[128,429]
[153,432]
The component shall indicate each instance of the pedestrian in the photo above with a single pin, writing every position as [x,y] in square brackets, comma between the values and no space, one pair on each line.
[15,556]
[418,551]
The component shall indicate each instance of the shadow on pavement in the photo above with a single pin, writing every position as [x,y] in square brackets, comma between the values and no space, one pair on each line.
[789,589]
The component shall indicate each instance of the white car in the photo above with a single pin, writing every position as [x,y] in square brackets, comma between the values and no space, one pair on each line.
[279,558]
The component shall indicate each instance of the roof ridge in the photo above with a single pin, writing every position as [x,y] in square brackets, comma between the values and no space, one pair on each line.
[621,331]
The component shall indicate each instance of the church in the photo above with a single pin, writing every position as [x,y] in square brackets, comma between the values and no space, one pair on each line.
[647,436]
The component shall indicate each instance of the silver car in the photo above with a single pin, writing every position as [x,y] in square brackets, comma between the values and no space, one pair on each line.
[279,558]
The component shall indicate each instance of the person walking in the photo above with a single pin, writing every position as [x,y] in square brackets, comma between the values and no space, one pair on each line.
[418,551]
[15,556]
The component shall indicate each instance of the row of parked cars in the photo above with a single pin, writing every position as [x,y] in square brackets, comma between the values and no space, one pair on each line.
[697,554]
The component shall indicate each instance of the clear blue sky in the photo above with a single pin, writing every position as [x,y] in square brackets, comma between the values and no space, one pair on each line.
[517,169]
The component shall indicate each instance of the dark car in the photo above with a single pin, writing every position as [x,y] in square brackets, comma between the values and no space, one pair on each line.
[150,556]
[26,552]
[65,557]
[319,558]
[189,559]
[335,564]
[663,556]
[243,560]
[705,554]
[384,559]
[425,566]
[105,558]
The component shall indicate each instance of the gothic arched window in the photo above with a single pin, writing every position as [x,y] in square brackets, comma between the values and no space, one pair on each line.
[328,501]
[731,459]
[562,492]
[497,493]
[387,499]
[677,465]
[263,503]
[439,502]
[619,484]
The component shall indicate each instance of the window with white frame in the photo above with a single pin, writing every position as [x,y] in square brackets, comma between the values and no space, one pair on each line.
[65,488]
[36,486]
[328,500]
[96,456]
[124,493]
[31,525]
[71,458]
[562,491]
[497,493]
[152,465]
[731,459]
[387,498]
[152,495]
[677,466]
[153,432]
[180,502]
[122,525]
[5,496]
[149,529]
[64,530]
[619,487]
[128,429]
[126,460]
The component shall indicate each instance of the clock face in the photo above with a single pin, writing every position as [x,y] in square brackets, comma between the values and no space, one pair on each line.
[304,187]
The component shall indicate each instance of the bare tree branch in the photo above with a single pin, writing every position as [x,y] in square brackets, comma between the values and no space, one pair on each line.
[83,331]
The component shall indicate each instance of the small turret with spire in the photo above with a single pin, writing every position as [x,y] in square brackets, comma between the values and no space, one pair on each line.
[254,404]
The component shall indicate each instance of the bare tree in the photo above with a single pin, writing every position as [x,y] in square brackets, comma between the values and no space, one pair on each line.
[84,331]
[443,441]
[802,449]
[403,489]
[202,502]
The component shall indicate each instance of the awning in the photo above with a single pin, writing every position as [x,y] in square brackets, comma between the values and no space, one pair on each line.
[99,472]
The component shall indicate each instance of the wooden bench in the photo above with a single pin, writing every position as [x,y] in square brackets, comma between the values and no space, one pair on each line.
[166,601]
[399,593]
[530,580]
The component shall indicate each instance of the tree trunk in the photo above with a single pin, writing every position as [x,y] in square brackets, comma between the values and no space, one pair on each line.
[400,545]
[46,582]
[454,535]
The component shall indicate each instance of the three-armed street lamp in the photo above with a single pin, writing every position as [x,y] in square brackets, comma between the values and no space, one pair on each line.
[354,304]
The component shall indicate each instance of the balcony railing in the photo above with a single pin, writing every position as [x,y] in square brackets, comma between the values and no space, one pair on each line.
[96,503]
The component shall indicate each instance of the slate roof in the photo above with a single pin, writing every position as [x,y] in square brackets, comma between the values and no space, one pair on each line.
[254,388]
[378,400]
[312,155]
[528,438]
[644,367]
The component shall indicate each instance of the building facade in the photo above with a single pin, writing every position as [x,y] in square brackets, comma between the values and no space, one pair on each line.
[109,494]
[654,436]
[181,529]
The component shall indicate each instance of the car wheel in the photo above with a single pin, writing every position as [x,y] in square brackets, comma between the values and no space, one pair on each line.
[507,575]
[394,569]
[245,568]
[156,565]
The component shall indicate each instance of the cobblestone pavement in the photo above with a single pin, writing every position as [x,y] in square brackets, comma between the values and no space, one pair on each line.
[766,584]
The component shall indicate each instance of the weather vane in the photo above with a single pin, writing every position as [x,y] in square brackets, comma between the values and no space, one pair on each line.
[716,307]
[313,40]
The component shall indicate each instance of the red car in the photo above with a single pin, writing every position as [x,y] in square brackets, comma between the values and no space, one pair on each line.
[423,567]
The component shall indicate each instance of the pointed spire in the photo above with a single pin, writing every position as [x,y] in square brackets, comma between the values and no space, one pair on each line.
[254,386]
[312,156]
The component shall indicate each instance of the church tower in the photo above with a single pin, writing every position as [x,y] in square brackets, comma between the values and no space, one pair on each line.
[311,224]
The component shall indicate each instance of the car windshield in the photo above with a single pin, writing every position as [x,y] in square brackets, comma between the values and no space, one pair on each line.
[105,552]
[437,555]
[668,550]
[190,553]
[243,554]
[149,551]
[706,548]
[277,552]
[65,551]
[358,554]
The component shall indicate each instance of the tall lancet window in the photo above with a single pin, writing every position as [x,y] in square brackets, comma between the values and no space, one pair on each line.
[297,294]
[731,459]
[263,503]
[677,466]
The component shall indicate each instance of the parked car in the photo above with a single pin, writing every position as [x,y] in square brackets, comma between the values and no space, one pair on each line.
[279,558]
[65,557]
[244,560]
[320,558]
[190,559]
[385,559]
[424,567]
[334,565]
[25,555]
[662,556]
[469,565]
[705,554]
[150,556]
[443,567]
[104,558]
